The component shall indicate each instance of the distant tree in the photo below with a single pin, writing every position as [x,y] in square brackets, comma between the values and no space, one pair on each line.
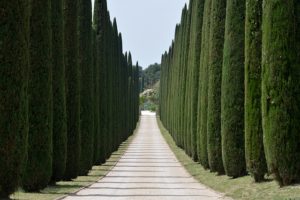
[151,75]
[13,95]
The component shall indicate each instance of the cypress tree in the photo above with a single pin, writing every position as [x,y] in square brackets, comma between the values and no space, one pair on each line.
[136,94]
[96,88]
[181,81]
[130,69]
[121,88]
[72,89]
[59,93]
[216,38]
[108,95]
[196,27]
[97,91]
[100,25]
[126,88]
[280,88]
[114,77]
[86,92]
[202,98]
[232,97]
[13,95]
[38,170]
[186,83]
[254,149]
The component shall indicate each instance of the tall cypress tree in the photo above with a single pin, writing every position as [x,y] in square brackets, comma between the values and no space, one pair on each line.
[281,88]
[137,93]
[107,89]
[186,97]
[181,80]
[216,38]
[86,91]
[38,170]
[129,116]
[254,149]
[96,94]
[59,92]
[100,26]
[13,95]
[72,88]
[232,97]
[194,60]
[202,93]
[114,78]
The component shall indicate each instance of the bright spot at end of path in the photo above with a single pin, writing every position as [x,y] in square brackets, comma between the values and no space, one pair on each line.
[147,112]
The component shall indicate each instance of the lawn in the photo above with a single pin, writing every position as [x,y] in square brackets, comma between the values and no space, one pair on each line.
[243,188]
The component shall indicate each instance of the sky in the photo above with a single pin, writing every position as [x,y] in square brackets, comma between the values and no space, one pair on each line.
[147,26]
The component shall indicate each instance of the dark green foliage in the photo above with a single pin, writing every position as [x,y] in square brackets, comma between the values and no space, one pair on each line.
[232,98]
[216,38]
[59,93]
[38,170]
[13,96]
[254,149]
[87,90]
[203,86]
[280,88]
[72,89]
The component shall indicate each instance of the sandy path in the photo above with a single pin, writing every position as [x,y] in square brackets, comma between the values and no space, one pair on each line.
[148,170]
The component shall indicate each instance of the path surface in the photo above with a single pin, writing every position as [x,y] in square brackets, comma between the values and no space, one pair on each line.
[148,170]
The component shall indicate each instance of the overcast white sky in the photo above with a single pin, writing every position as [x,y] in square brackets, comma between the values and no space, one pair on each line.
[147,26]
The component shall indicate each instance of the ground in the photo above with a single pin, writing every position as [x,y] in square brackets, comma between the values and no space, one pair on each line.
[147,170]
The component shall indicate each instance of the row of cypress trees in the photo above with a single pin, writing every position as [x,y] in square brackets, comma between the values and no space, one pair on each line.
[69,96]
[230,92]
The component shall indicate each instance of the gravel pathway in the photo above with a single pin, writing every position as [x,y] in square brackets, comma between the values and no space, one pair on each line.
[148,170]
